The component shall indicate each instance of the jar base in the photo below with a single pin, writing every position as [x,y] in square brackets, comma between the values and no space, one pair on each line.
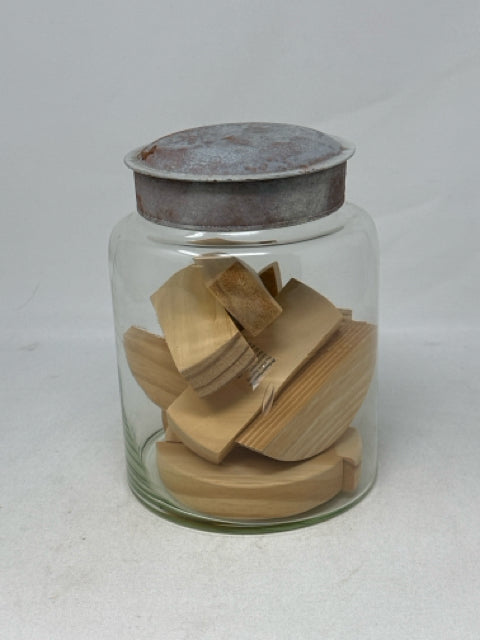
[145,483]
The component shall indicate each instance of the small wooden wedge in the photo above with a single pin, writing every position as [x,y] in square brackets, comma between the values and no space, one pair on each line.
[205,344]
[249,486]
[152,366]
[241,291]
[214,263]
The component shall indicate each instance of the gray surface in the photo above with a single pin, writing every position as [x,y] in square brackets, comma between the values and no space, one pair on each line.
[79,557]
[238,152]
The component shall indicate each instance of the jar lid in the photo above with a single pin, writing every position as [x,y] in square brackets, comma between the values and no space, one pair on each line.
[240,176]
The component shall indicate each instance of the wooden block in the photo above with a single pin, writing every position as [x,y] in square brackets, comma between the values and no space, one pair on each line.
[249,486]
[346,313]
[210,425]
[320,403]
[206,346]
[152,366]
[271,278]
[241,291]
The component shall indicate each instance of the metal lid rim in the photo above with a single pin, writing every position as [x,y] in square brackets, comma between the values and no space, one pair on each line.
[133,162]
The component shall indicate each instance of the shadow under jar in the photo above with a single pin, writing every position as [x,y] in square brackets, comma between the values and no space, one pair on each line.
[245,305]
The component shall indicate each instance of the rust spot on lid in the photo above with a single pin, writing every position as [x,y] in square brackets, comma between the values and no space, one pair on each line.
[148,151]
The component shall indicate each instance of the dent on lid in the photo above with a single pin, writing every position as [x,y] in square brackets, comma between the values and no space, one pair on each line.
[239,152]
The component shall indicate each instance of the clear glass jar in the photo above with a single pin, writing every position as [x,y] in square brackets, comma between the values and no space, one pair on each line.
[290,479]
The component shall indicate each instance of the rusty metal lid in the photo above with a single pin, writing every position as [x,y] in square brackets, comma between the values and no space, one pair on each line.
[240,176]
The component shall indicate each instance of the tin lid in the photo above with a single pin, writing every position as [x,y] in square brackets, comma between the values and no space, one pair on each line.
[240,176]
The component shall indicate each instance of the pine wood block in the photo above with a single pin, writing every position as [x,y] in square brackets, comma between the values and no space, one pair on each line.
[271,278]
[214,263]
[205,344]
[241,291]
[249,486]
[346,313]
[210,425]
[152,366]
[320,403]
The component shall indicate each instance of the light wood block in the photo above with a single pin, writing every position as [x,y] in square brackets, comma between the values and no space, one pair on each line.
[210,425]
[346,313]
[271,278]
[351,476]
[205,344]
[249,486]
[320,403]
[242,293]
[152,366]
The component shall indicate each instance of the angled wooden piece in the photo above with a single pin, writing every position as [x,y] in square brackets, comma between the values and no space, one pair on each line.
[249,486]
[152,366]
[210,425]
[240,290]
[206,346]
[271,278]
[321,401]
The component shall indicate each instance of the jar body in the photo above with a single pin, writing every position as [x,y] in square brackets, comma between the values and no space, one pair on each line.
[336,256]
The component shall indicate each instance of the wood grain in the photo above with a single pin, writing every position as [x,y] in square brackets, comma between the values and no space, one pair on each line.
[152,366]
[239,289]
[205,344]
[210,425]
[249,486]
[321,401]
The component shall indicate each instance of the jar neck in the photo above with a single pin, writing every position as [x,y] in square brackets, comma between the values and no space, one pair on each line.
[252,237]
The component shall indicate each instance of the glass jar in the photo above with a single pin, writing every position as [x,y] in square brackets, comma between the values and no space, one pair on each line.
[245,306]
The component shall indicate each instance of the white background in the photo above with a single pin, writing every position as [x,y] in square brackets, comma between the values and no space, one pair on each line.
[83,83]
